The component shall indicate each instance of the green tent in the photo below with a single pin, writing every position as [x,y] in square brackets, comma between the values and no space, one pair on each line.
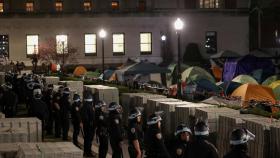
[271,79]
[173,75]
[199,72]
[275,86]
[244,79]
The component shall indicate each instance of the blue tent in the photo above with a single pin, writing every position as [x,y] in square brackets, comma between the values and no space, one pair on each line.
[205,85]
[229,87]
[108,73]
[246,65]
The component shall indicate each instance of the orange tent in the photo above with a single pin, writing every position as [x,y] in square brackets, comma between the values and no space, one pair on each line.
[249,92]
[217,72]
[79,71]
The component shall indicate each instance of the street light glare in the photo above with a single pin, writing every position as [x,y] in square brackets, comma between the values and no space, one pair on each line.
[178,24]
[163,37]
[102,33]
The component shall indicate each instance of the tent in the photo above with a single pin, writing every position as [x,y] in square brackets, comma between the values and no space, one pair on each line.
[79,71]
[249,92]
[226,54]
[271,79]
[205,85]
[172,76]
[214,100]
[195,70]
[243,79]
[229,87]
[260,75]
[276,89]
[108,74]
[217,72]
[246,65]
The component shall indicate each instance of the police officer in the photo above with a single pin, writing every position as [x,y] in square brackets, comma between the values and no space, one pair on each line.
[88,126]
[39,109]
[102,128]
[56,109]
[238,143]
[65,107]
[76,117]
[115,129]
[48,99]
[181,144]
[10,100]
[155,147]
[201,148]
[135,134]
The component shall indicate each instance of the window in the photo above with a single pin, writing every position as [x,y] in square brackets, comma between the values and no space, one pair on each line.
[32,43]
[4,45]
[211,42]
[29,6]
[61,44]
[142,5]
[87,6]
[146,43]
[90,44]
[115,5]
[1,7]
[209,3]
[58,6]
[118,43]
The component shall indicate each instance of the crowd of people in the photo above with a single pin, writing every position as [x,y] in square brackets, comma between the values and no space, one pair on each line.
[94,118]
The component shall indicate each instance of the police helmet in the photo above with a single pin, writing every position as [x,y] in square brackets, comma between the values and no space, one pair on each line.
[88,98]
[154,118]
[76,97]
[60,89]
[201,129]
[37,93]
[134,114]
[114,106]
[182,128]
[8,85]
[100,104]
[50,86]
[241,136]
[66,91]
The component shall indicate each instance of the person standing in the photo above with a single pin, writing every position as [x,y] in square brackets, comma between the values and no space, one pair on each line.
[155,147]
[135,134]
[88,123]
[65,107]
[115,129]
[48,99]
[239,143]
[56,109]
[102,128]
[182,141]
[10,100]
[76,117]
[201,148]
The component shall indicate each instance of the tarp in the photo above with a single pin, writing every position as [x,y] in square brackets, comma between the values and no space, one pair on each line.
[246,65]
[226,54]
[276,89]
[79,71]
[243,79]
[229,87]
[214,100]
[195,70]
[271,79]
[249,92]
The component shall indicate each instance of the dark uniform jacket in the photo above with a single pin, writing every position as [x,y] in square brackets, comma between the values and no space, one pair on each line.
[235,153]
[87,114]
[179,148]
[154,144]
[76,112]
[101,123]
[65,107]
[135,132]
[39,109]
[201,148]
[115,128]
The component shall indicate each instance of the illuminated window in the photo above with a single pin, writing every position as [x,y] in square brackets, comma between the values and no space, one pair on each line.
[1,7]
[4,45]
[90,44]
[211,42]
[29,6]
[87,6]
[58,6]
[209,3]
[146,43]
[61,44]
[32,43]
[115,5]
[118,43]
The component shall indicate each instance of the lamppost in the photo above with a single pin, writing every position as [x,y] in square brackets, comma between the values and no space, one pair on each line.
[63,57]
[178,25]
[102,35]
[164,52]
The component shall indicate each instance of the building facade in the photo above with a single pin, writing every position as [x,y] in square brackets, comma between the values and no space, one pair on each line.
[134,28]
